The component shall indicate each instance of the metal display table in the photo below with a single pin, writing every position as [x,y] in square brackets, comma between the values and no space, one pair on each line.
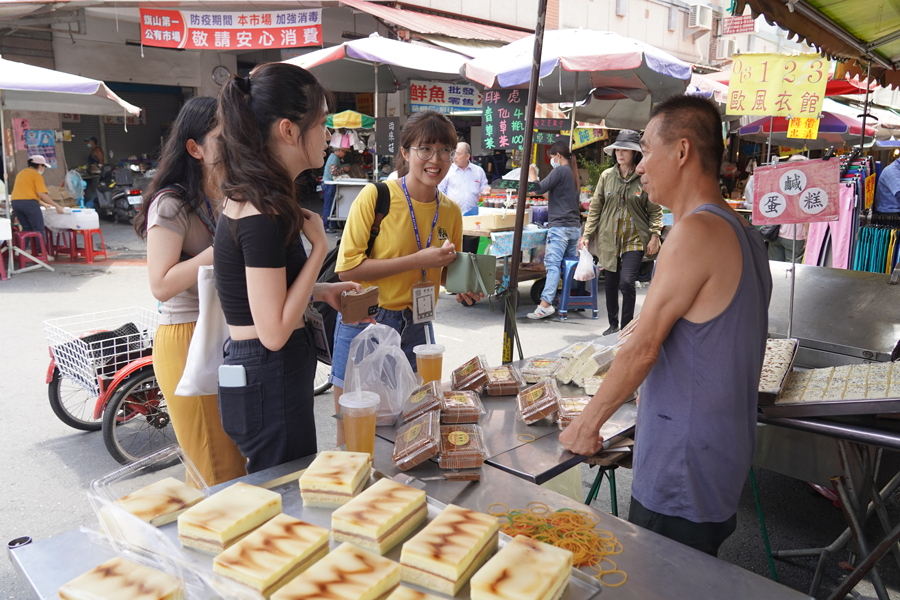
[657,567]
[347,191]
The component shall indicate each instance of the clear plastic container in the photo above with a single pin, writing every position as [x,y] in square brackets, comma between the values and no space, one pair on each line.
[461,407]
[417,441]
[575,349]
[539,401]
[470,376]
[503,381]
[462,447]
[358,412]
[570,408]
[426,398]
[540,368]
[592,384]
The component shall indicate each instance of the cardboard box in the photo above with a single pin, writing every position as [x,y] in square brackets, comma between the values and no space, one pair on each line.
[492,219]
[57,193]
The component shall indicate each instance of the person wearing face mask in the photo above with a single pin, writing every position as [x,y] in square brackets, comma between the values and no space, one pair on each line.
[562,188]
[623,224]
[29,194]
[417,241]
[178,221]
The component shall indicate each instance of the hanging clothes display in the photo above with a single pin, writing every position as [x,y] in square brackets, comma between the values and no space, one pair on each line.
[878,245]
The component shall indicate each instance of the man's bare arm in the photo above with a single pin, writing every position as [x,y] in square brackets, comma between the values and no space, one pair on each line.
[682,271]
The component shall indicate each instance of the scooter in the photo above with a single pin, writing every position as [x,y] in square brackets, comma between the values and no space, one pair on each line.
[117,196]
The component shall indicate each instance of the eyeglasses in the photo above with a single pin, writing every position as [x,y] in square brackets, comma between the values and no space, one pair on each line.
[426,152]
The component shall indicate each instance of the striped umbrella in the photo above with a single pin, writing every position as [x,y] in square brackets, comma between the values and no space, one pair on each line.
[350,119]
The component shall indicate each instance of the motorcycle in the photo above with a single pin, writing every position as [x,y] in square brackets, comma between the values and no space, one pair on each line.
[118,197]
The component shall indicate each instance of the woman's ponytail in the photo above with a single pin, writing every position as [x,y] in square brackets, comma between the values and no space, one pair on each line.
[562,148]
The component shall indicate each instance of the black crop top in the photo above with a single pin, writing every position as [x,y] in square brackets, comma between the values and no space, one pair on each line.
[254,241]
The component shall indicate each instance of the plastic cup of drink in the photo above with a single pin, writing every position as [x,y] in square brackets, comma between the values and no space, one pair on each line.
[358,413]
[429,361]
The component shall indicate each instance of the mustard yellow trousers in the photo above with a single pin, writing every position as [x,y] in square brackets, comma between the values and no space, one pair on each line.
[196,420]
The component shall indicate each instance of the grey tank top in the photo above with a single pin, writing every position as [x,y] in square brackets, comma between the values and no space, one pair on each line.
[696,424]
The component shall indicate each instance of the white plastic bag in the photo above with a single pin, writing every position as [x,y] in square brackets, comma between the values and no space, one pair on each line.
[585,269]
[205,355]
[382,367]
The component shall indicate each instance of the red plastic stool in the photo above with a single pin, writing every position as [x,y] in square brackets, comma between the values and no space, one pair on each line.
[88,251]
[60,242]
[4,248]
[20,239]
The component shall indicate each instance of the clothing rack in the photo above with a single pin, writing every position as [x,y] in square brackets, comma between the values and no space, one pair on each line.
[878,246]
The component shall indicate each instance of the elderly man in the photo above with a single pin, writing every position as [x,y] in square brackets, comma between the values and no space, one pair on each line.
[699,346]
[332,167]
[465,181]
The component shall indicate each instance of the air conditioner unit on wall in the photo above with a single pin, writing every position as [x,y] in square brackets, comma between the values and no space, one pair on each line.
[700,17]
[726,49]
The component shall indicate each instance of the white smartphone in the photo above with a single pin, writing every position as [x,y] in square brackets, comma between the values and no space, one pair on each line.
[232,376]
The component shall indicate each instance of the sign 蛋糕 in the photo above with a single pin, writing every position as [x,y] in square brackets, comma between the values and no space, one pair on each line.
[796,192]
[387,135]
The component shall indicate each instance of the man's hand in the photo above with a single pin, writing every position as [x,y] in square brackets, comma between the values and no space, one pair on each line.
[469,298]
[486,190]
[653,246]
[580,438]
[583,243]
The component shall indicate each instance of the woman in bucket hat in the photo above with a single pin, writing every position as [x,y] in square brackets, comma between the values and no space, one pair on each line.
[623,225]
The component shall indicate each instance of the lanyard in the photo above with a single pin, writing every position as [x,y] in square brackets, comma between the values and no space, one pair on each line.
[209,209]
[412,214]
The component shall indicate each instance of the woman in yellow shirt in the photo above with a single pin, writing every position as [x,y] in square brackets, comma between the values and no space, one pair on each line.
[417,240]
[29,193]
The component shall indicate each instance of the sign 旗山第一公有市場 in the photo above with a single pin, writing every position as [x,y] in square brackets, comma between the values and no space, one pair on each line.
[442,97]
[777,85]
[231,30]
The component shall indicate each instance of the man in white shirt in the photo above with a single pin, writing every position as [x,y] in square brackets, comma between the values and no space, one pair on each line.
[465,181]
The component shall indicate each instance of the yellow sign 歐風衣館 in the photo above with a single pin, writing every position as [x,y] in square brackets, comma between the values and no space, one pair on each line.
[804,129]
[778,85]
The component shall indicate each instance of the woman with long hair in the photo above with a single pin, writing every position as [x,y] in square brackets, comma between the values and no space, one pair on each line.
[624,226]
[562,187]
[417,240]
[178,222]
[271,129]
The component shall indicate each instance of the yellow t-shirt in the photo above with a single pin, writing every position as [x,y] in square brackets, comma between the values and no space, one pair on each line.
[397,239]
[28,183]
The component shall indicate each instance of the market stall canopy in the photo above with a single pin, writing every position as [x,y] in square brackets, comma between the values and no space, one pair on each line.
[626,76]
[26,87]
[350,119]
[349,66]
[834,130]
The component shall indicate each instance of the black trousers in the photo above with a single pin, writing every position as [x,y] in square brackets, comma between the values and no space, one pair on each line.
[705,537]
[30,217]
[271,419]
[622,280]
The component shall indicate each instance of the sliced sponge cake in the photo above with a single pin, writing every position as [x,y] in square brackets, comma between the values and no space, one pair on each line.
[161,503]
[445,554]
[524,569]
[380,517]
[224,518]
[120,579]
[334,478]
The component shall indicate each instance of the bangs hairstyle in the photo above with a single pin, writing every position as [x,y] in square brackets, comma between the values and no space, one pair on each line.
[697,120]
[425,127]
[248,168]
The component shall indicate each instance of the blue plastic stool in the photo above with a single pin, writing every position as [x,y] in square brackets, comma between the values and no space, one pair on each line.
[568,299]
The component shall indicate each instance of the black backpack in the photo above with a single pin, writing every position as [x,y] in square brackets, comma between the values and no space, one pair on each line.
[328,274]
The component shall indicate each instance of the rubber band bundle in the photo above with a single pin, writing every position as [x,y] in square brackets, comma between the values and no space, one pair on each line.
[573,530]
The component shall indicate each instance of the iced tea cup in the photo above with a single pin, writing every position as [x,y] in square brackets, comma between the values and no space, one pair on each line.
[429,361]
[358,413]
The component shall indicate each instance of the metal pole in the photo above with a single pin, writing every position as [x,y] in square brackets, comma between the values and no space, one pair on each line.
[769,145]
[509,324]
[860,207]
[572,123]
[6,200]
[375,168]
[793,281]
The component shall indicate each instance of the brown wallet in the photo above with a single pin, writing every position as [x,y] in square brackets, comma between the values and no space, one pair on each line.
[356,306]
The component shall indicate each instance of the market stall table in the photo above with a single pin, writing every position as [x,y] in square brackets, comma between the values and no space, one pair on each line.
[656,566]
[347,191]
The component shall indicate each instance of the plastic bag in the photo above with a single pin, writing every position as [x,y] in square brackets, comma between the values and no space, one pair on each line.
[381,366]
[585,269]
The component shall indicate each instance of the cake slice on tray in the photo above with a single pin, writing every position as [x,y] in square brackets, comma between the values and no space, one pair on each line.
[444,555]
[348,573]
[120,579]
[274,554]
[161,502]
[380,517]
[334,478]
[227,516]
[405,593]
[524,569]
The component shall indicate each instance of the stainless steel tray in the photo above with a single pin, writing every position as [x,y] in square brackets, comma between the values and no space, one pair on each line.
[767,397]
[832,408]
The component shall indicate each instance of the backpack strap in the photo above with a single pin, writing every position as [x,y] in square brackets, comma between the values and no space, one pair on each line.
[382,208]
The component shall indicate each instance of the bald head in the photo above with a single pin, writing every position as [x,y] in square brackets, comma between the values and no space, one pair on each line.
[697,120]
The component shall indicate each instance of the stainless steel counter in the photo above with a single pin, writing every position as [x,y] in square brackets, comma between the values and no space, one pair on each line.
[657,567]
[345,193]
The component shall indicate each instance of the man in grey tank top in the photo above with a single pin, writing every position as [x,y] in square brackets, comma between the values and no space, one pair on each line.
[699,346]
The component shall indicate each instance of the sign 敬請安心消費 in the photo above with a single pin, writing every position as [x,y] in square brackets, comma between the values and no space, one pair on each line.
[251,30]
[777,85]
[796,192]
[442,97]
[503,119]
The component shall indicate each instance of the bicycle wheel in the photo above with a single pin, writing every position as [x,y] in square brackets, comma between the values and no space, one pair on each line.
[321,382]
[136,420]
[72,403]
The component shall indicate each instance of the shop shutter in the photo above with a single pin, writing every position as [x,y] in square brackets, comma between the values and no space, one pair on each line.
[140,140]
[77,151]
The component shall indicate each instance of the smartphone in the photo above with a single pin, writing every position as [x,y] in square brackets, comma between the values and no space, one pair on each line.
[232,376]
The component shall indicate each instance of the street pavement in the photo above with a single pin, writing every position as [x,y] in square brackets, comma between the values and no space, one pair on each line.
[49,466]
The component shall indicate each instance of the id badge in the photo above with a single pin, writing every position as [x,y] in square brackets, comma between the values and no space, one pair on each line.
[423,302]
[314,319]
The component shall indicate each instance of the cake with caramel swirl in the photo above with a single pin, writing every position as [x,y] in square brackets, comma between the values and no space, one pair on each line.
[334,477]
[120,579]
[444,555]
[274,554]
[524,569]
[161,503]
[380,517]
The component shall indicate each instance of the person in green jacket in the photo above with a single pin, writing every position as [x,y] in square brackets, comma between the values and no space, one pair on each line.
[624,225]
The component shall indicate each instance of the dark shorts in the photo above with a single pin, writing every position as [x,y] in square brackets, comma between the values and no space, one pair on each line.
[705,537]
[271,419]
